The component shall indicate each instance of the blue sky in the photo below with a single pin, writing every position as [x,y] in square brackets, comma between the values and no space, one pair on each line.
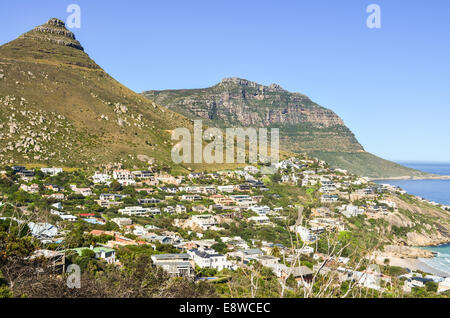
[390,85]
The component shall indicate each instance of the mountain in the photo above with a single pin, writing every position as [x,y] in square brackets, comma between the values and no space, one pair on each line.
[304,125]
[59,107]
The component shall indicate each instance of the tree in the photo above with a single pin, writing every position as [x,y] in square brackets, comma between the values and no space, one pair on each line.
[276,252]
[276,177]
[220,247]
[431,286]
[115,186]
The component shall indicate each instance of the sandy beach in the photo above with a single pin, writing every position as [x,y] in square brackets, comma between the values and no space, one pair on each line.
[411,263]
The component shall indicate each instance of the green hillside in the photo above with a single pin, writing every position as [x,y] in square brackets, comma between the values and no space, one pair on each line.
[59,107]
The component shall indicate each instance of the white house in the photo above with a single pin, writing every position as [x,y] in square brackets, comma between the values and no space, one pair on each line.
[101,178]
[57,205]
[43,229]
[122,221]
[203,221]
[107,254]
[243,200]
[191,197]
[226,188]
[208,258]
[329,198]
[179,208]
[251,169]
[177,265]
[352,210]
[52,171]
[259,219]
[124,177]
[444,285]
[111,196]
[135,211]
[68,217]
[83,191]
[142,174]
[261,210]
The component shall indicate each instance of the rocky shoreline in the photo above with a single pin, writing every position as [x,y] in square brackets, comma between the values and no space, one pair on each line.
[406,252]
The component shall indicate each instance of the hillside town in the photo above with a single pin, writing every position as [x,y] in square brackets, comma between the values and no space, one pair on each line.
[204,226]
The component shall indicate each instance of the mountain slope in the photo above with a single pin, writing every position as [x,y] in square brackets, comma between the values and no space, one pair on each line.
[59,107]
[304,125]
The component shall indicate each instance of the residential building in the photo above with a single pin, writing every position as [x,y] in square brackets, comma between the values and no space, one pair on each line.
[260,210]
[124,177]
[134,211]
[52,171]
[249,254]
[83,191]
[108,204]
[208,258]
[329,198]
[148,201]
[56,259]
[226,188]
[202,221]
[104,253]
[352,210]
[180,208]
[68,217]
[191,197]
[112,196]
[177,265]
[122,221]
[43,230]
[142,174]
[101,178]
[267,260]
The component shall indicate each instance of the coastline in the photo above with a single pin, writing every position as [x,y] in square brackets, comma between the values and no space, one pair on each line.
[413,264]
[430,177]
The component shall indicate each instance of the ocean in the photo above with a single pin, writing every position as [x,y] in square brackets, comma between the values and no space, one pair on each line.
[442,259]
[433,190]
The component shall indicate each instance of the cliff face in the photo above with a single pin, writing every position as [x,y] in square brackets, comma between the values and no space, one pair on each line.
[304,125]
[238,101]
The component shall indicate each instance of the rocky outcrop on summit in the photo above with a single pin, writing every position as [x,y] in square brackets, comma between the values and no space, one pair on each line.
[54,31]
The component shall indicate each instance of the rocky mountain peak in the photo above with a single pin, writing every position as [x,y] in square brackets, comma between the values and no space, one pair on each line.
[236,81]
[56,22]
[276,87]
[54,31]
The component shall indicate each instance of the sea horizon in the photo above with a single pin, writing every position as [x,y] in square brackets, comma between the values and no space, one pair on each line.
[435,167]
[437,190]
